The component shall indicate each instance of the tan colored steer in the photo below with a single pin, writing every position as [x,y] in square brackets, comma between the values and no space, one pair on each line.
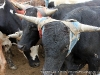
[4,41]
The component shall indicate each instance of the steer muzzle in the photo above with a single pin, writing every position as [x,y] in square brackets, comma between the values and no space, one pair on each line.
[34,64]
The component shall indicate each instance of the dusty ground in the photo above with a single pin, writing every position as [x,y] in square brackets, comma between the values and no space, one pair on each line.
[23,66]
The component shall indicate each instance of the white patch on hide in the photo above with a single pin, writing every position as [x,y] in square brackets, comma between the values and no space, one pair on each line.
[95,55]
[2,7]
[34,51]
[11,11]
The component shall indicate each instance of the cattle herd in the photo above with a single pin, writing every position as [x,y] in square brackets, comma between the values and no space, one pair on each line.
[68,31]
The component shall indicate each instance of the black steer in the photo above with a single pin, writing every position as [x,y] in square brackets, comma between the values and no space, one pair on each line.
[86,51]
[33,28]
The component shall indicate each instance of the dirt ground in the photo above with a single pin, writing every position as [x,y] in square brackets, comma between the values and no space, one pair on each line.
[23,66]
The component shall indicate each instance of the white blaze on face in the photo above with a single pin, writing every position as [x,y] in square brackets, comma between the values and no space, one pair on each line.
[34,51]
[2,7]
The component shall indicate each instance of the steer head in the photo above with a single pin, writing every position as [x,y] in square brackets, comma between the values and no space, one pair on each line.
[30,29]
[56,39]
[6,43]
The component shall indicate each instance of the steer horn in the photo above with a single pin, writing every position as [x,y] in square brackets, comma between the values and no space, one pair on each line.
[26,6]
[88,28]
[21,6]
[29,18]
[81,28]
[47,11]
[16,35]
[50,11]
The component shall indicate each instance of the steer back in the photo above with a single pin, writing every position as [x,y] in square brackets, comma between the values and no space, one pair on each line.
[66,8]
[55,41]
[86,51]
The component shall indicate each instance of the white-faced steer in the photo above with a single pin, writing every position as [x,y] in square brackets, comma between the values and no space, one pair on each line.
[31,11]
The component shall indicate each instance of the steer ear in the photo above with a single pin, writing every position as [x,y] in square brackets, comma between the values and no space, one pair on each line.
[29,18]
[88,28]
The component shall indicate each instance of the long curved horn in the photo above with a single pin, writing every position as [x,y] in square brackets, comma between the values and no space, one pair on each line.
[88,28]
[18,5]
[22,6]
[80,27]
[29,18]
[46,11]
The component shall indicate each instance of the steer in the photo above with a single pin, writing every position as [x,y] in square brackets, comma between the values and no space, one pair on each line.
[56,49]
[9,24]
[27,39]
[59,14]
[31,11]
[5,44]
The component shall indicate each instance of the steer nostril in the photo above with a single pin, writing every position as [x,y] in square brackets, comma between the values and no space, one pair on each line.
[34,65]
[21,46]
[37,64]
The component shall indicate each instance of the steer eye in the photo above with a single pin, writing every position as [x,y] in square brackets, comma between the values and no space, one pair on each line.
[32,27]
